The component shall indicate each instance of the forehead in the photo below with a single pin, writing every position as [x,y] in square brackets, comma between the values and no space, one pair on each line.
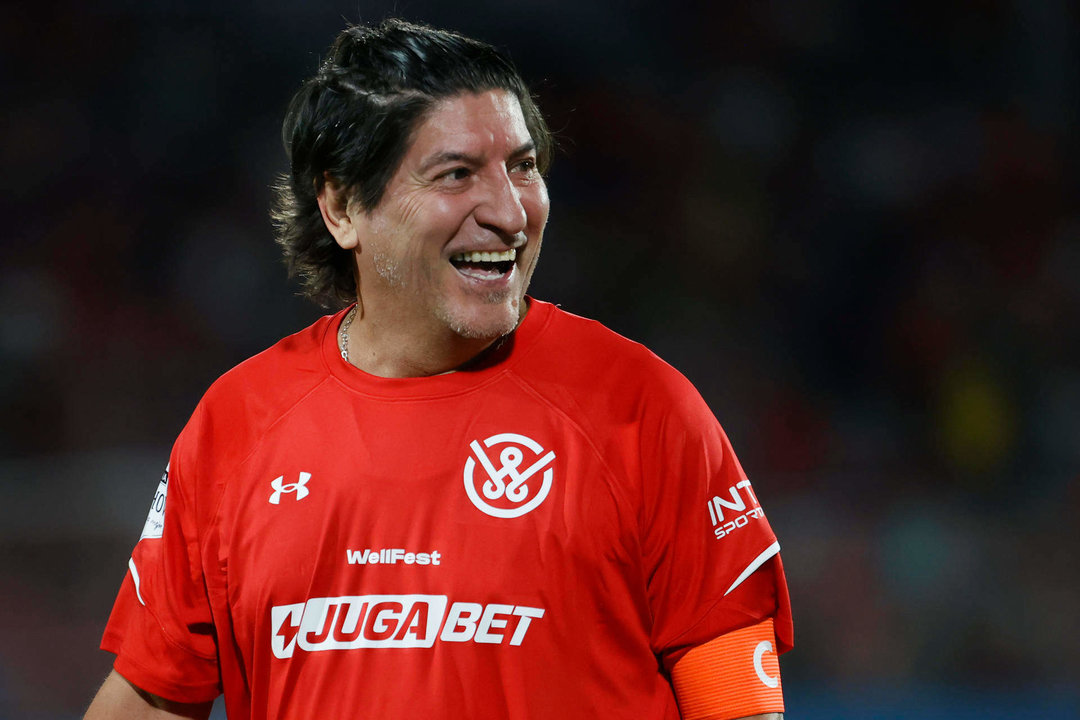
[471,123]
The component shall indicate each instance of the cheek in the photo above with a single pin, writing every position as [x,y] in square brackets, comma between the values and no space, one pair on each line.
[536,204]
[433,221]
[409,209]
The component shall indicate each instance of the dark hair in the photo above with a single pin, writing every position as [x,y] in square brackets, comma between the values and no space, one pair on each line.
[354,121]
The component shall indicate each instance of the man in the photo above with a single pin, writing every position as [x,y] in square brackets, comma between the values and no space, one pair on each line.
[448,499]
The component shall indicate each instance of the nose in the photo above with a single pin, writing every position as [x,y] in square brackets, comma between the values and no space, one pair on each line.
[501,208]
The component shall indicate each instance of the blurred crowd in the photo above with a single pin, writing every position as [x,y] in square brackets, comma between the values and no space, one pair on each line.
[853,225]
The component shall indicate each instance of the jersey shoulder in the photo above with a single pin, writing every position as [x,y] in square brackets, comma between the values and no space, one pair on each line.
[584,358]
[240,405]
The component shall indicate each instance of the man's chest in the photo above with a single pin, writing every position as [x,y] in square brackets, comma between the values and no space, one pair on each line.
[412,526]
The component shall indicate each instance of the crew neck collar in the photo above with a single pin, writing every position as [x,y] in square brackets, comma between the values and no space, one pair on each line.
[494,364]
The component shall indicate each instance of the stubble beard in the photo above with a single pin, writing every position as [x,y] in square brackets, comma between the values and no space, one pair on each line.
[470,329]
[457,321]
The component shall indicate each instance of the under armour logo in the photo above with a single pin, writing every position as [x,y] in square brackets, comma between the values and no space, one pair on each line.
[300,488]
[507,492]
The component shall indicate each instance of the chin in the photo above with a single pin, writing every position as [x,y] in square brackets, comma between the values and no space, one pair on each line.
[487,322]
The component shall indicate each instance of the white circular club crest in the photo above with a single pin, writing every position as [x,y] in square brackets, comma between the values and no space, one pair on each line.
[503,488]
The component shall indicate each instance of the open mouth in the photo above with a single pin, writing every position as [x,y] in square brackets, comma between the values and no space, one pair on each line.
[484,265]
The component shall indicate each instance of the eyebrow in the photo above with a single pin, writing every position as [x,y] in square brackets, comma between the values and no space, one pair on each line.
[450,156]
[528,147]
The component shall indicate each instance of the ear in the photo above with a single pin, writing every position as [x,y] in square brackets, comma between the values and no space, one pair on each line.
[334,206]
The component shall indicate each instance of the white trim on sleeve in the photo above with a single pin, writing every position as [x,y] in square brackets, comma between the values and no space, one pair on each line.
[754,565]
[135,577]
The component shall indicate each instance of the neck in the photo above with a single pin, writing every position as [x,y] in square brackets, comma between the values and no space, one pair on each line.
[386,350]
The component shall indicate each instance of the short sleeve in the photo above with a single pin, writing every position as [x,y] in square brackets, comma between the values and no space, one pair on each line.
[161,626]
[711,558]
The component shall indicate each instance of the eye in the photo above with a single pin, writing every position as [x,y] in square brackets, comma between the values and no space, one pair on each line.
[526,166]
[456,174]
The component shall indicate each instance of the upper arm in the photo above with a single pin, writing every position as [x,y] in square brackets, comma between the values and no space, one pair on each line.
[704,534]
[118,699]
[162,625]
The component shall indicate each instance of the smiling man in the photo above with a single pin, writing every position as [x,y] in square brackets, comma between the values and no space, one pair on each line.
[447,253]
[447,499]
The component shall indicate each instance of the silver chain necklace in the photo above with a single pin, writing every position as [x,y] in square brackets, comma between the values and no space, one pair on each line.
[343,334]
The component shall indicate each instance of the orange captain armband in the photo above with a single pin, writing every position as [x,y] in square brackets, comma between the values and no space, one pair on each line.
[733,676]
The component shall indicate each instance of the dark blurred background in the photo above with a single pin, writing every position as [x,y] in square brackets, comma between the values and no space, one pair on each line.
[854,225]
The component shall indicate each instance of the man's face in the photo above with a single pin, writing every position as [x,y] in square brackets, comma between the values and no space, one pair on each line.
[453,243]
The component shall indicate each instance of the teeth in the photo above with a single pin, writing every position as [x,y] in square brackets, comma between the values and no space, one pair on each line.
[475,257]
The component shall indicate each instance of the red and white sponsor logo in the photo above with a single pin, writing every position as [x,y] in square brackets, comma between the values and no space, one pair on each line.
[394,621]
[739,512]
[520,481]
[391,556]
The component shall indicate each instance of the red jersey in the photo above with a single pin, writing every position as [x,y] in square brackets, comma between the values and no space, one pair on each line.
[540,535]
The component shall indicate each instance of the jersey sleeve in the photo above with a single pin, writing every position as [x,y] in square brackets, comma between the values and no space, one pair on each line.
[161,627]
[711,559]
